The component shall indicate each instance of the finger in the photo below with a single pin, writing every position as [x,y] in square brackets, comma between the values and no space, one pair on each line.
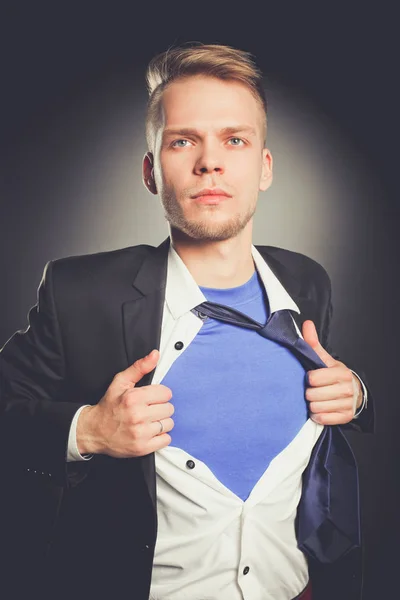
[144,397]
[158,442]
[329,376]
[332,406]
[141,367]
[156,429]
[338,391]
[337,418]
[156,394]
[310,336]
[160,411]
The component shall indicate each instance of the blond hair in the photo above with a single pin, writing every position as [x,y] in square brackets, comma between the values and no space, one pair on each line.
[212,60]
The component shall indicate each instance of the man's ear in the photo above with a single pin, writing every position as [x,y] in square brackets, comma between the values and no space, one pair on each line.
[148,172]
[266,173]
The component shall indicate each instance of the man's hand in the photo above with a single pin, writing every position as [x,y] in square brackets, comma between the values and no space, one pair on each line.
[333,390]
[126,421]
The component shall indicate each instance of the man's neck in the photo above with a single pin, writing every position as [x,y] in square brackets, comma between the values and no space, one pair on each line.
[220,265]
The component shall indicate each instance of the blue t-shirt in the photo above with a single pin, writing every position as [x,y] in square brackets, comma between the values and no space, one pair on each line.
[238,397]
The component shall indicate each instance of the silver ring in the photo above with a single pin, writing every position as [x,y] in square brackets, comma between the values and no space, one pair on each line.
[161,427]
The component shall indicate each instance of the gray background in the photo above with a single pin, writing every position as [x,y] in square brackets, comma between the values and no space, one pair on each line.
[73,97]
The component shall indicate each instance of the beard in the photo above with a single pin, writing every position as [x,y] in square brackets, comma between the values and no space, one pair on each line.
[202,227]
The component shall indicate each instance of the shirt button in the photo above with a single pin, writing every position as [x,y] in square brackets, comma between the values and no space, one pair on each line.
[246,570]
[190,464]
[178,345]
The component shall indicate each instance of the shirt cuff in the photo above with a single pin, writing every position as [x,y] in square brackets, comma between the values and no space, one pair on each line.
[73,453]
[365,396]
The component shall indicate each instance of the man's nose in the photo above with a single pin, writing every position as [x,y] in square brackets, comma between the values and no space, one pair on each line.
[209,160]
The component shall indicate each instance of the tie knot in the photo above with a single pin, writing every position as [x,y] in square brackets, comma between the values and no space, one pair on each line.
[225,314]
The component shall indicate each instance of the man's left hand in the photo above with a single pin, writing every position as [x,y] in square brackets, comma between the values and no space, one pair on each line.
[333,390]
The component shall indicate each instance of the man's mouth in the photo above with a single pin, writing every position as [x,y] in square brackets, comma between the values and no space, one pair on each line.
[211,196]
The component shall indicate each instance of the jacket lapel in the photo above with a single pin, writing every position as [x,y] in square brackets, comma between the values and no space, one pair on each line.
[142,316]
[293,285]
[142,320]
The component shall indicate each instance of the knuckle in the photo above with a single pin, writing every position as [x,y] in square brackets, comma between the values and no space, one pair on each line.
[138,432]
[123,387]
[167,392]
[135,415]
[309,394]
[119,378]
[127,401]
[311,378]
[141,395]
[348,391]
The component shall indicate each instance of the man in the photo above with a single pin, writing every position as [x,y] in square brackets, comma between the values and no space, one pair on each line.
[123,380]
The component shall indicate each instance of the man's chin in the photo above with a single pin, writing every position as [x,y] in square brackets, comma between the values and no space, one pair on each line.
[203,233]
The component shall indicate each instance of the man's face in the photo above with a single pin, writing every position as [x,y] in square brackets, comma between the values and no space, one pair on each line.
[210,138]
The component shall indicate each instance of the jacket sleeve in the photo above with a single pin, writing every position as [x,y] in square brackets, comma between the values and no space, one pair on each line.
[34,422]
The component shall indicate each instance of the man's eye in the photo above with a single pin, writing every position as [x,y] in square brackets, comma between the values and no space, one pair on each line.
[236,141]
[181,143]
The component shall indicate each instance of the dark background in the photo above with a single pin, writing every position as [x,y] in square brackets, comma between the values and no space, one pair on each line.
[64,65]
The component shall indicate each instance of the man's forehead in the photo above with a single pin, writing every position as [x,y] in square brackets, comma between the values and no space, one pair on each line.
[187,89]
[200,99]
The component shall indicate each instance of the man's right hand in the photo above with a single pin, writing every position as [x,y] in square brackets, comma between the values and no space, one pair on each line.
[126,421]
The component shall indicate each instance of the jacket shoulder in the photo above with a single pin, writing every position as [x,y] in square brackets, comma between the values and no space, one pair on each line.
[103,259]
[100,266]
[304,269]
[74,280]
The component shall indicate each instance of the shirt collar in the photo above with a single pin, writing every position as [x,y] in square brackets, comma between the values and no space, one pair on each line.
[182,292]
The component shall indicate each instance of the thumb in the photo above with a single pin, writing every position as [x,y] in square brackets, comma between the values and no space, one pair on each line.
[141,367]
[310,336]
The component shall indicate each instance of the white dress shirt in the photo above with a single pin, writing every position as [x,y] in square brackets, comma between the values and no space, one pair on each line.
[212,545]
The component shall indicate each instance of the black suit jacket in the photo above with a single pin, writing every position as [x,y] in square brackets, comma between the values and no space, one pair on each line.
[89,529]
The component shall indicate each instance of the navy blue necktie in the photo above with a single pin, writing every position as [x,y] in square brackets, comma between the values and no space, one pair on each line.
[280,328]
[328,518]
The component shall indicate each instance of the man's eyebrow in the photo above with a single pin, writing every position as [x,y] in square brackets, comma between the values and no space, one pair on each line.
[181,131]
[224,131]
[238,129]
